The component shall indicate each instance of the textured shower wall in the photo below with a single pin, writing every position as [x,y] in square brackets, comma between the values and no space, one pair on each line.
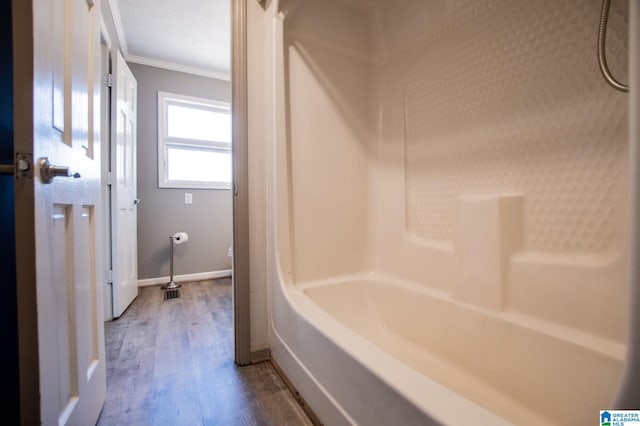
[470,148]
[399,115]
[506,96]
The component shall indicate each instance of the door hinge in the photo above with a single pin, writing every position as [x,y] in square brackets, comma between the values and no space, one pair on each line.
[110,276]
[108,178]
[109,80]
[22,168]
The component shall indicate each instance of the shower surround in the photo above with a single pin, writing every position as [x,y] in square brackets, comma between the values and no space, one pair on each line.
[449,210]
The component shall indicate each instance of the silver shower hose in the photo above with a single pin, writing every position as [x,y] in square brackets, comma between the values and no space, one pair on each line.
[602,57]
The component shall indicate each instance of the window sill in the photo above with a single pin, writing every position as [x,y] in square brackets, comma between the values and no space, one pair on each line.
[194,185]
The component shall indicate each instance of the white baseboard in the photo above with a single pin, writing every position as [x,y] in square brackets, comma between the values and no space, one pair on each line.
[200,276]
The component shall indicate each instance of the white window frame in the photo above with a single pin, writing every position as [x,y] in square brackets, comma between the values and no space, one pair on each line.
[165,142]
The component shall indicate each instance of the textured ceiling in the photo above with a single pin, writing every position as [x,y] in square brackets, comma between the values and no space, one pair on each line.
[191,33]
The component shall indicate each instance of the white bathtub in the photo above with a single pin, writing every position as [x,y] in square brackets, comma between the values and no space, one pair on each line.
[491,359]
[447,244]
[385,351]
[346,374]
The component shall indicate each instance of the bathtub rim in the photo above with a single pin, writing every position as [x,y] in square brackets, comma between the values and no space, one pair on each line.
[434,399]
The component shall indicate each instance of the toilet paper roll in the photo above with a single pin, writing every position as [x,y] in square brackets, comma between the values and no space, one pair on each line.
[180,237]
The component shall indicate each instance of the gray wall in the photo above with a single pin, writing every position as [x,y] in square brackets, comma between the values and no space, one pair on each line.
[208,221]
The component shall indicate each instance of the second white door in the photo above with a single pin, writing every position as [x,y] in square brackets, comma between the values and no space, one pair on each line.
[123,190]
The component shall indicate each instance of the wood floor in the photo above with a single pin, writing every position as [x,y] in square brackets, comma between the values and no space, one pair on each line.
[171,363]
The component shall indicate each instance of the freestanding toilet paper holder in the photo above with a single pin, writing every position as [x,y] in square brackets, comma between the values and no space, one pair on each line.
[177,238]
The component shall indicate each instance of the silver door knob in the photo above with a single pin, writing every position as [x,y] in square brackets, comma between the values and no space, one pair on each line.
[48,171]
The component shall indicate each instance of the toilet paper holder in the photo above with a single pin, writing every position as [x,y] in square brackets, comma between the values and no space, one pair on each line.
[177,238]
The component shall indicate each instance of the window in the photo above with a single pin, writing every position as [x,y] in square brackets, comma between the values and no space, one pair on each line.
[194,142]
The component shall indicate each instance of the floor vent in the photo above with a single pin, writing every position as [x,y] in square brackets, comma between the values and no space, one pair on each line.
[171,294]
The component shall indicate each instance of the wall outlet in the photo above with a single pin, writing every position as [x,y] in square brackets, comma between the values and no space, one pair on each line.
[188,198]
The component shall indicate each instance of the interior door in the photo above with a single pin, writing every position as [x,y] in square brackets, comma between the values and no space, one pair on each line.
[124,187]
[68,255]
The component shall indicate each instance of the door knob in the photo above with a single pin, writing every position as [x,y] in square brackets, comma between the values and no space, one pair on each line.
[48,171]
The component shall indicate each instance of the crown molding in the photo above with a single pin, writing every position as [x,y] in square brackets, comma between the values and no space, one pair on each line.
[158,63]
[203,72]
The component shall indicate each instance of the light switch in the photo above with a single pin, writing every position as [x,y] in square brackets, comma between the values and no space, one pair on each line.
[188,198]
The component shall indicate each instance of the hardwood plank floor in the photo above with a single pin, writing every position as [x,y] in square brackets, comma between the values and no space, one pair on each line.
[171,363]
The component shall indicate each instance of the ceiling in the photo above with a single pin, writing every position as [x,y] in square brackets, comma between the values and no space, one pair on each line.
[187,35]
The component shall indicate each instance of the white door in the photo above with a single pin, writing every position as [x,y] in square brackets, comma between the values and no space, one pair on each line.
[124,202]
[68,253]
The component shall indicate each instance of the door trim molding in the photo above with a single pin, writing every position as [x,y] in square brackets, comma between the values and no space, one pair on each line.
[239,108]
[23,72]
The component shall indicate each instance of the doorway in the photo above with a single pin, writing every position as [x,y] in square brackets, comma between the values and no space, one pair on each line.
[153,245]
[31,385]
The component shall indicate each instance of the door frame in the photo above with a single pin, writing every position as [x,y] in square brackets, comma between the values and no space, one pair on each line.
[240,187]
[239,106]
[106,117]
[23,72]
